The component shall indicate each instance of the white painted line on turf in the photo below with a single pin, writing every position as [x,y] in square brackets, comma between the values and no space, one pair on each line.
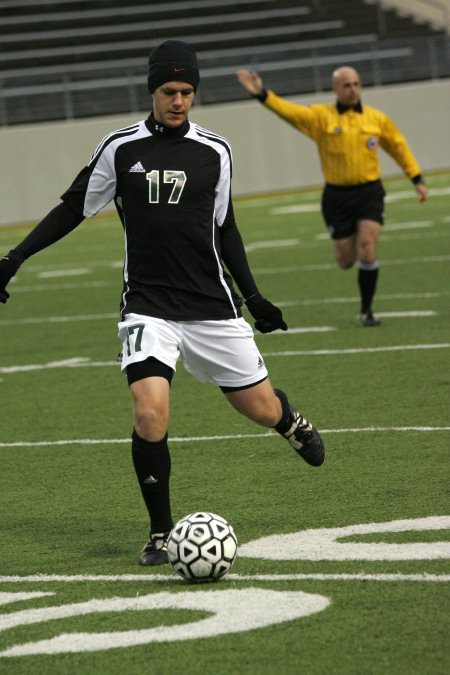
[282,303]
[407,194]
[60,287]
[391,227]
[71,272]
[330,543]
[65,363]
[84,362]
[414,225]
[314,576]
[352,299]
[258,608]
[277,243]
[406,315]
[357,350]
[101,317]
[392,197]
[223,437]
[332,266]
[8,598]
[58,319]
[294,208]
[306,329]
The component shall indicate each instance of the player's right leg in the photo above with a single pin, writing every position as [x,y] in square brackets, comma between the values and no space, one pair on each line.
[149,355]
[150,452]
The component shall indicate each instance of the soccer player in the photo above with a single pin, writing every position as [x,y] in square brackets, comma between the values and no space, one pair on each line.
[348,133]
[170,180]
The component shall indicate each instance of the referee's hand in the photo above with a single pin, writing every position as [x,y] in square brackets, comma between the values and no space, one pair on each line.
[421,191]
[268,316]
[251,81]
[9,265]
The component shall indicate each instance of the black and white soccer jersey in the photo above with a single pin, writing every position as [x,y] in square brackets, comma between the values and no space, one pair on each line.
[172,191]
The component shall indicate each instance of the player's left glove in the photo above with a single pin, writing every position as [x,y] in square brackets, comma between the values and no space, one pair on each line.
[268,317]
[8,267]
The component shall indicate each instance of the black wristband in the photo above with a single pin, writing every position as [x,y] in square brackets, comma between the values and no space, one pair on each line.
[261,96]
[418,179]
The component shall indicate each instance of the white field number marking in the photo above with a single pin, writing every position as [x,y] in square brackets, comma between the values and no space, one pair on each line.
[230,610]
[324,544]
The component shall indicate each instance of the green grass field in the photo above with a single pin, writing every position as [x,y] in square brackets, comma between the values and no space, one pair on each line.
[73,599]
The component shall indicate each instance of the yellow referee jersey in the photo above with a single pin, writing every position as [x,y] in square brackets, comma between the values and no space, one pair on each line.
[348,142]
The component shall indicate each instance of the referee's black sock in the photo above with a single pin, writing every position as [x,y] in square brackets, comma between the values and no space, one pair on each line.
[367,281]
[152,466]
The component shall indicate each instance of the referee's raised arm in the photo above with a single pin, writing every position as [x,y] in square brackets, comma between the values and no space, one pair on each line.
[348,134]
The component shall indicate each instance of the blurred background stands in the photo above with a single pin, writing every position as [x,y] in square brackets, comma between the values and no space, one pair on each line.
[67,59]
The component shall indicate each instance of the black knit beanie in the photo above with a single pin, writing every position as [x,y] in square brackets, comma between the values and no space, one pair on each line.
[172,60]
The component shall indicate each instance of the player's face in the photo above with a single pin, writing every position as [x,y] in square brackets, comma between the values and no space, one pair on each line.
[347,87]
[172,102]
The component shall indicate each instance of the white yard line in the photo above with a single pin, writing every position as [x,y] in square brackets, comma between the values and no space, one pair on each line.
[277,243]
[332,265]
[196,439]
[70,272]
[396,576]
[358,350]
[84,362]
[281,303]
[352,299]
[59,319]
[41,273]
[406,315]
[70,286]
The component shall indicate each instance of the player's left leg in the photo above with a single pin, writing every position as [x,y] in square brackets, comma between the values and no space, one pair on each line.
[225,353]
[368,232]
[271,408]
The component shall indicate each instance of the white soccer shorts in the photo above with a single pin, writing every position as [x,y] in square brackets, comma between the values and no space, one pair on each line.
[221,352]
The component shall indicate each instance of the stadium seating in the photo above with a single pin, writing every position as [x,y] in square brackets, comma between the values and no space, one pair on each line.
[64,59]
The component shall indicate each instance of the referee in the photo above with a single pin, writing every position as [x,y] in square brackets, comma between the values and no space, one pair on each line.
[348,134]
[170,180]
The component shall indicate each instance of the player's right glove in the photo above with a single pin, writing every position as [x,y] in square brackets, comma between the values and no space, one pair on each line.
[268,316]
[8,267]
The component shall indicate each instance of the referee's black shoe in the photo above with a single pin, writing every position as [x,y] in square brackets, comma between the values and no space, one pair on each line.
[305,439]
[155,550]
[368,319]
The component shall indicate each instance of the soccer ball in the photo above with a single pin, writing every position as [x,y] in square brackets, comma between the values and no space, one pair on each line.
[202,547]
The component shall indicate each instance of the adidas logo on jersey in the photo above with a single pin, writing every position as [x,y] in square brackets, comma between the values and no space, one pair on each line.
[137,168]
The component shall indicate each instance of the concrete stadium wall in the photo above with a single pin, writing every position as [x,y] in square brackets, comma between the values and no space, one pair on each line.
[38,162]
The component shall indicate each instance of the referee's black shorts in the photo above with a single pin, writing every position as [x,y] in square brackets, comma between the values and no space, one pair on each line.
[342,207]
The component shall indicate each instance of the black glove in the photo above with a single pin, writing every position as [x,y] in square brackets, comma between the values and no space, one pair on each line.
[268,317]
[8,267]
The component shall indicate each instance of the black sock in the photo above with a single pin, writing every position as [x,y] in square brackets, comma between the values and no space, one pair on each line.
[286,420]
[152,466]
[367,281]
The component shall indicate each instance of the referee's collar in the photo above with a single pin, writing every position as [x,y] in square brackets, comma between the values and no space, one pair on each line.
[341,108]
[157,128]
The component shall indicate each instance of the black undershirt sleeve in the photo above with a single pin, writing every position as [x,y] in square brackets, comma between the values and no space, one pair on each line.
[60,221]
[235,259]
